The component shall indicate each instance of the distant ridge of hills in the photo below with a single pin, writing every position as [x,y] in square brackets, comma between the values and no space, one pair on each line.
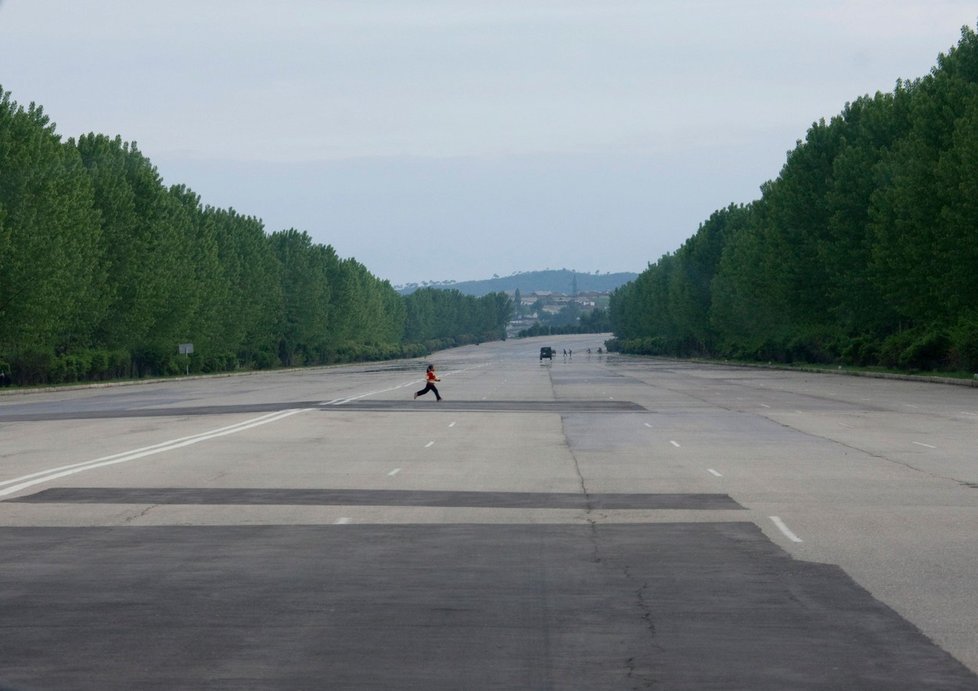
[551,280]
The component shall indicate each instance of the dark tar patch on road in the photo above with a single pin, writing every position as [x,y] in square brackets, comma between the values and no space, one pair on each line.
[362,497]
[672,606]
[25,413]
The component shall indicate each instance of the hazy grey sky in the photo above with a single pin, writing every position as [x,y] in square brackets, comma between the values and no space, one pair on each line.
[454,139]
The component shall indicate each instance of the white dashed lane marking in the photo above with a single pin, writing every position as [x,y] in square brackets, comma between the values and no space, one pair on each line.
[784,529]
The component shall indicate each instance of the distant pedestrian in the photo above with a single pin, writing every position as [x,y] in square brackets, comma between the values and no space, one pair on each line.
[430,378]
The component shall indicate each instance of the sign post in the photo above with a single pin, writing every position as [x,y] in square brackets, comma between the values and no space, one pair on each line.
[186,349]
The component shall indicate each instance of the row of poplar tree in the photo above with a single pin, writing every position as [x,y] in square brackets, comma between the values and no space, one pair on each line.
[863,251]
[104,270]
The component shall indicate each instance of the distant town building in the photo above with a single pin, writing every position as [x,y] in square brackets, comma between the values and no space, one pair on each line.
[587,300]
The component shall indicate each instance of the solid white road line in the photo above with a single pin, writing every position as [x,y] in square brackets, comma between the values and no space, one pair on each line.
[348,399]
[341,401]
[711,471]
[26,481]
[784,529]
[928,446]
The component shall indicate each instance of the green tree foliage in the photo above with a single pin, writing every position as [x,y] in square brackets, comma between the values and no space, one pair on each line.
[147,234]
[104,270]
[863,250]
[305,296]
[249,323]
[50,244]
[594,321]
[438,318]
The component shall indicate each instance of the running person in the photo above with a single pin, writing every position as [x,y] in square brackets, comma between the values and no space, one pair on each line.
[431,378]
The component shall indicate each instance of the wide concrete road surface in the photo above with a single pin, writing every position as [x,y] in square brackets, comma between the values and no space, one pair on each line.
[592,523]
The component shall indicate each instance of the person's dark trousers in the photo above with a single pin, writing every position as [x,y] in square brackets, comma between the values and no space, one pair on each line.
[428,387]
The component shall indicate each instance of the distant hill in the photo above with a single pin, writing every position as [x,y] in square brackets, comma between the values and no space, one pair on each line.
[555,281]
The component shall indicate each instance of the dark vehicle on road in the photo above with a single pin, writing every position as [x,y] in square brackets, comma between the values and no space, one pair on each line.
[547,352]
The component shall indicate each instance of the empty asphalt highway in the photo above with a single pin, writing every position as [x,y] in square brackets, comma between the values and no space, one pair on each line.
[594,522]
